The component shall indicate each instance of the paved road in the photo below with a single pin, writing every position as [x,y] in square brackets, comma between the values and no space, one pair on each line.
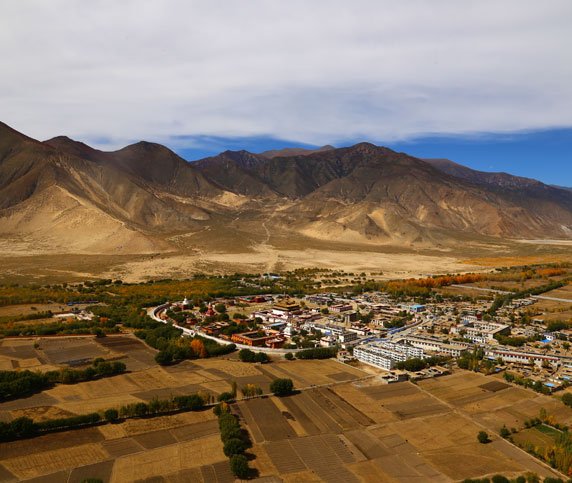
[545,297]
[153,311]
[481,289]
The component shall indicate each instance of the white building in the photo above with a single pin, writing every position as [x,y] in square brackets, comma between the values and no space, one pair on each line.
[386,354]
[371,356]
[529,358]
[483,332]
[435,345]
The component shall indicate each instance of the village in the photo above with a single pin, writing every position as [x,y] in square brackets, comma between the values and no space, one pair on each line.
[400,341]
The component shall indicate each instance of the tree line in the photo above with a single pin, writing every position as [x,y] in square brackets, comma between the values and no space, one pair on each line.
[25,427]
[235,440]
[173,348]
[17,384]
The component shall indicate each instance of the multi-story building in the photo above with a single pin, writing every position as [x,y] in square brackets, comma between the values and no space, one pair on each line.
[436,345]
[385,354]
[518,357]
[338,308]
[484,332]
[370,355]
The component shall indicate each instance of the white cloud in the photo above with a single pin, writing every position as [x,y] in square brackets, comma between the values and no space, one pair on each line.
[317,72]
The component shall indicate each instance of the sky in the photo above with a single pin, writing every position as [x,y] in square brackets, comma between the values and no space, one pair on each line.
[486,83]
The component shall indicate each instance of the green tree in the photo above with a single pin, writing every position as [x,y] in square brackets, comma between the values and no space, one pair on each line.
[234,446]
[220,308]
[567,398]
[239,466]
[282,387]
[225,397]
[246,355]
[164,358]
[504,432]
[483,437]
[111,415]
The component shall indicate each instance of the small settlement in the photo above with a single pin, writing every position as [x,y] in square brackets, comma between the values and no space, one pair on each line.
[379,331]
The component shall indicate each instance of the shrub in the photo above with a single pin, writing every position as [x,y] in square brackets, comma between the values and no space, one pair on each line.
[289,356]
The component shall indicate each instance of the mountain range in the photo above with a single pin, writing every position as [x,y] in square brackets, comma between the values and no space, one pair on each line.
[61,195]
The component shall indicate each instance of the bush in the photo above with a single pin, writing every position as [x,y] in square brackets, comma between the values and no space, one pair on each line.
[567,399]
[483,437]
[289,356]
[500,479]
[282,387]
[239,466]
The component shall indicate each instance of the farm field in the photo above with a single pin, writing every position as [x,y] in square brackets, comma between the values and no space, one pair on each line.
[540,437]
[185,446]
[343,426]
[552,310]
[510,405]
[364,431]
[26,309]
[562,292]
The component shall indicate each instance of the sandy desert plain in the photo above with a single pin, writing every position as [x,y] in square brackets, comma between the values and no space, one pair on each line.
[216,252]
[342,426]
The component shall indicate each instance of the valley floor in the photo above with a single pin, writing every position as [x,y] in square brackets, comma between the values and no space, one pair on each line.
[344,425]
[388,262]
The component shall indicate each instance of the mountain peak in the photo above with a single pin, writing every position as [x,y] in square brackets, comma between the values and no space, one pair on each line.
[370,148]
[285,152]
[9,136]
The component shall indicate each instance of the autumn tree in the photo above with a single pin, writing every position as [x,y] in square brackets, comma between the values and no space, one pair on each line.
[198,348]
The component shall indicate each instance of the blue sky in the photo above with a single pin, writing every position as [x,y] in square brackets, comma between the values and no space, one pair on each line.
[441,78]
[543,155]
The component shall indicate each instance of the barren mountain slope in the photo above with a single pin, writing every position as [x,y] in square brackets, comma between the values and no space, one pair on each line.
[68,202]
[371,194]
[64,195]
